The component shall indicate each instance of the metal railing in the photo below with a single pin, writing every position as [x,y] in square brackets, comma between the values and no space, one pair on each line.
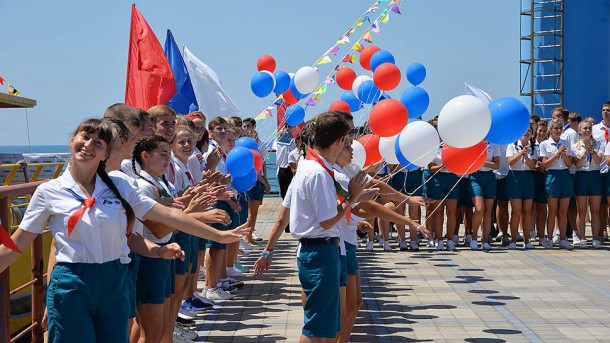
[37,283]
[31,171]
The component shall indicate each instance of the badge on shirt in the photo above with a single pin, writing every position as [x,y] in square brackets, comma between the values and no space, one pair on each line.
[111,202]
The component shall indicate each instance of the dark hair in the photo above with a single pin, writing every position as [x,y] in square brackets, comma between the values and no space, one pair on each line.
[216,122]
[237,122]
[105,132]
[575,117]
[345,115]
[186,121]
[159,111]
[121,130]
[251,121]
[535,117]
[607,103]
[330,126]
[564,113]
[147,144]
[205,138]
[127,114]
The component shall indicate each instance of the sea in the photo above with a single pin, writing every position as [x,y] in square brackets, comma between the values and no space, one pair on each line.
[37,149]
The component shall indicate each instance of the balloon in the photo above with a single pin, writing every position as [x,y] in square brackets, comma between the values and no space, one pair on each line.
[357,82]
[464,121]
[247,142]
[368,92]
[365,56]
[262,84]
[509,121]
[265,62]
[239,161]
[294,115]
[359,154]
[386,149]
[381,57]
[306,79]
[465,160]
[416,100]
[282,82]
[345,78]
[388,117]
[387,76]
[371,146]
[419,143]
[351,100]
[246,182]
[416,73]
[401,158]
[289,98]
[295,91]
[258,161]
[340,105]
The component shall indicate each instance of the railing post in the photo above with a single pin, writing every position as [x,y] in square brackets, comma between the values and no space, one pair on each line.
[37,290]
[5,300]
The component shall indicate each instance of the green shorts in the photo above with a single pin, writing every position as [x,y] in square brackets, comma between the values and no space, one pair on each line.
[398,182]
[540,187]
[521,184]
[464,199]
[257,192]
[352,260]
[185,241]
[483,184]
[440,185]
[501,191]
[132,277]
[559,184]
[414,181]
[343,272]
[154,280]
[225,207]
[588,183]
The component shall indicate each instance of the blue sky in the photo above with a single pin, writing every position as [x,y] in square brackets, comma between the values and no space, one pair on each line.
[71,55]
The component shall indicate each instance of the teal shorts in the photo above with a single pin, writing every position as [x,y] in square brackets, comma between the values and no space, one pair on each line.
[501,191]
[343,273]
[464,199]
[319,267]
[604,190]
[521,184]
[185,241]
[242,216]
[559,184]
[132,278]
[483,184]
[225,207]
[414,181]
[88,302]
[540,187]
[257,192]
[440,185]
[154,280]
[195,244]
[588,183]
[352,260]
[398,182]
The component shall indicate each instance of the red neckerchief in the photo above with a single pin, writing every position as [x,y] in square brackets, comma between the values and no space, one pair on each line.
[5,239]
[313,156]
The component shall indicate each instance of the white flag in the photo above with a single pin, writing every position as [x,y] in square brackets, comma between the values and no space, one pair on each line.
[212,99]
[474,91]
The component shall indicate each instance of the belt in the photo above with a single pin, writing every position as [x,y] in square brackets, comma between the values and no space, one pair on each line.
[320,241]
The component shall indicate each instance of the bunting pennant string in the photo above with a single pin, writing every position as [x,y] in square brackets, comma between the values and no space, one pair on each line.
[9,88]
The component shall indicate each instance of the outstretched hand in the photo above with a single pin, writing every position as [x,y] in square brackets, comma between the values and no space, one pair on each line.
[171,251]
[234,235]
[262,265]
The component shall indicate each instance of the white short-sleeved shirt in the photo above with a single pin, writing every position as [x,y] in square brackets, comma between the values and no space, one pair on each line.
[438,160]
[154,190]
[579,150]
[288,197]
[570,135]
[514,150]
[195,166]
[222,165]
[549,147]
[127,168]
[293,157]
[285,144]
[502,171]
[493,150]
[348,230]
[313,200]
[178,174]
[262,149]
[138,227]
[100,234]
[599,133]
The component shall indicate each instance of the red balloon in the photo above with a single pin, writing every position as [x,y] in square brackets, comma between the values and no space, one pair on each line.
[339,105]
[365,56]
[345,77]
[289,98]
[371,146]
[388,118]
[387,76]
[258,161]
[464,160]
[266,62]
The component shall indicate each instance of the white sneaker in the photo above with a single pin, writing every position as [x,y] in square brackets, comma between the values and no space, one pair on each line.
[529,246]
[232,272]
[467,240]
[474,245]
[440,245]
[370,245]
[512,246]
[455,239]
[451,244]
[556,236]
[563,244]
[431,243]
[519,237]
[575,239]
[583,244]
[256,238]
[534,235]
[386,246]
[486,246]
[177,339]
[414,245]
[381,242]
[499,237]
[597,244]
[186,314]
[403,246]
[244,247]
[202,296]
[182,333]
[218,294]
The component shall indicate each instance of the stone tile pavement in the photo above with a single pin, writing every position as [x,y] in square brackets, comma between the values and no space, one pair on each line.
[464,296]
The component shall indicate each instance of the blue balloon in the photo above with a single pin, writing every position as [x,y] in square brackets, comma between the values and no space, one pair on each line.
[295,115]
[246,182]
[353,102]
[295,92]
[416,100]
[282,82]
[401,158]
[381,57]
[262,84]
[416,73]
[239,161]
[509,120]
[368,92]
[247,142]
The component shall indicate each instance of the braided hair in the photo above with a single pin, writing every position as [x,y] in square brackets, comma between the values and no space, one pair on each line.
[147,144]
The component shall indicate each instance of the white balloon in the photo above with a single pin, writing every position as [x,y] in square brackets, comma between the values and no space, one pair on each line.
[272,76]
[357,82]
[464,121]
[386,149]
[359,154]
[306,80]
[419,143]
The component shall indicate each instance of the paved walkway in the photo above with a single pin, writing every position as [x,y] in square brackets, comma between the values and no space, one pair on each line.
[464,296]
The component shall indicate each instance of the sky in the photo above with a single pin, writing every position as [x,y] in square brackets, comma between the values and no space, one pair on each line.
[71,56]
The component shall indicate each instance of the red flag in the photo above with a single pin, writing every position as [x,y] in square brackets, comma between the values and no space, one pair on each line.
[1,80]
[150,80]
